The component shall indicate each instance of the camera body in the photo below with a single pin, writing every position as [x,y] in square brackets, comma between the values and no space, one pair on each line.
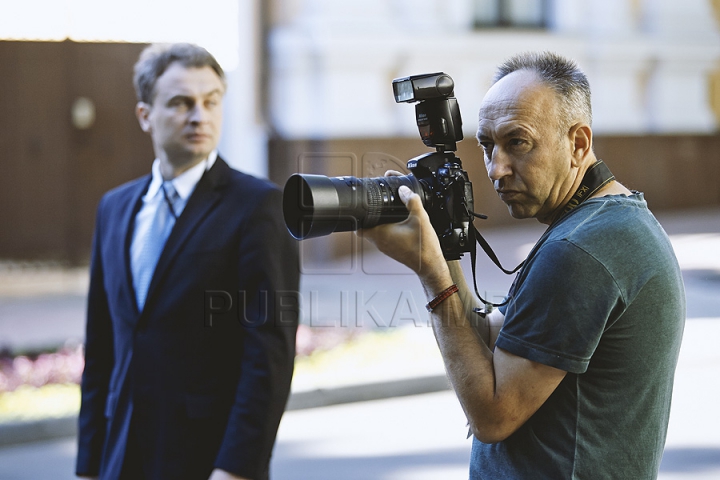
[315,205]
[447,198]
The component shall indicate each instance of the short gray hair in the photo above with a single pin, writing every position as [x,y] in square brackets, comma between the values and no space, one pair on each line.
[560,74]
[156,58]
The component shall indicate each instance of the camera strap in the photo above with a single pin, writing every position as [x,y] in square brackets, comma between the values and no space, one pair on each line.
[596,177]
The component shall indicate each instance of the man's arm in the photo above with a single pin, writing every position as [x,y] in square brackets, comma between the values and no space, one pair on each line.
[98,365]
[498,391]
[268,266]
[218,474]
[487,326]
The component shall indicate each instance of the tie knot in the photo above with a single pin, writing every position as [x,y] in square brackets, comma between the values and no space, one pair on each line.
[171,196]
[170,191]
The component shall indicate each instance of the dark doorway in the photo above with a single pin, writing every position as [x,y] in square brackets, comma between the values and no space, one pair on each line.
[54,170]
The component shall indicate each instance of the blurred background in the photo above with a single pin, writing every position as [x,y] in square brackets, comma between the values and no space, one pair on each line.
[310,91]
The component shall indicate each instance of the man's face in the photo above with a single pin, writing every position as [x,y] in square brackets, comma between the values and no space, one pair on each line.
[526,158]
[185,117]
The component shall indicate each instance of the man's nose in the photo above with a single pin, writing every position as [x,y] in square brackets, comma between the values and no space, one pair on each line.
[498,166]
[198,114]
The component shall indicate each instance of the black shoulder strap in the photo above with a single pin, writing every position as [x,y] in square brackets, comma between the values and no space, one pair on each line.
[596,177]
[491,254]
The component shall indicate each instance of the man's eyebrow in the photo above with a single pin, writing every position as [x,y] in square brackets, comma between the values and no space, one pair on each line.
[481,135]
[183,96]
[179,96]
[515,131]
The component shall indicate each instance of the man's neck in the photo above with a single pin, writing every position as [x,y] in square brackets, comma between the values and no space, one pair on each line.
[612,188]
[600,184]
[170,170]
[569,192]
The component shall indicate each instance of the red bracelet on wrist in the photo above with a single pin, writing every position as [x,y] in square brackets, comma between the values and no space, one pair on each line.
[442,296]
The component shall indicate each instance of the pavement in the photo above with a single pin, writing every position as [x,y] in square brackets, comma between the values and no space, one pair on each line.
[43,306]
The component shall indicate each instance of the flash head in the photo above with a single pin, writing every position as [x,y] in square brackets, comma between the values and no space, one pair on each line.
[416,88]
[436,112]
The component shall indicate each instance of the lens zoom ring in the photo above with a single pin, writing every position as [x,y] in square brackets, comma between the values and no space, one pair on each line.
[374,199]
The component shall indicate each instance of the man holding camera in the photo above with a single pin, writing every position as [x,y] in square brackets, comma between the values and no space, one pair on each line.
[578,381]
[192,308]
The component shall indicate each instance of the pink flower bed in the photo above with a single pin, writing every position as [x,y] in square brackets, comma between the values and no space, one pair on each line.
[63,366]
[66,365]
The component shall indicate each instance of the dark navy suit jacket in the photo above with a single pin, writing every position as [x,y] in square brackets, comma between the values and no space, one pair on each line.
[203,373]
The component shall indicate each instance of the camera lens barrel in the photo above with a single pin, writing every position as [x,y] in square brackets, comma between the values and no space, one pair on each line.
[316,205]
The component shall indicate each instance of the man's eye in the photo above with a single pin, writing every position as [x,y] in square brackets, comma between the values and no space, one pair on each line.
[515,142]
[487,146]
[181,103]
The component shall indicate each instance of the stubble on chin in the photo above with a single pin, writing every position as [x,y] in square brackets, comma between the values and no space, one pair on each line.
[521,211]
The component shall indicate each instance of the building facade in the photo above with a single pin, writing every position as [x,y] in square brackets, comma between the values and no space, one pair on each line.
[651,63]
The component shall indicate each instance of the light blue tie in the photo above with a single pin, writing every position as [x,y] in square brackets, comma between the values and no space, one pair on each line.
[153,241]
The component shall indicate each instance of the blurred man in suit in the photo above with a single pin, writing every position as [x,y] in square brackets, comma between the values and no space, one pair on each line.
[192,307]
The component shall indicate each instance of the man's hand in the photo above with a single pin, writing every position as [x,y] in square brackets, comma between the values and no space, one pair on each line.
[414,243]
[218,474]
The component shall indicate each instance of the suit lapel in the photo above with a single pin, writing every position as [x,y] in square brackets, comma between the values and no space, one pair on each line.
[206,195]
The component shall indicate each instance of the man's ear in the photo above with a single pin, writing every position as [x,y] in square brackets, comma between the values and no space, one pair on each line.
[142,112]
[581,142]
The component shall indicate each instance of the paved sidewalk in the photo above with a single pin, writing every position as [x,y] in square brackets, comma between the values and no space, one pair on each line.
[42,306]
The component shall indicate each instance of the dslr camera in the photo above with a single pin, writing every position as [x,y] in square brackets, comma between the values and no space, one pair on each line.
[316,205]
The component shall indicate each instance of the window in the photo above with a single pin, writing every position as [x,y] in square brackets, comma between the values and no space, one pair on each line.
[510,13]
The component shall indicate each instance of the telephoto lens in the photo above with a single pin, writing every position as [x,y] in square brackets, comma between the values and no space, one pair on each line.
[316,205]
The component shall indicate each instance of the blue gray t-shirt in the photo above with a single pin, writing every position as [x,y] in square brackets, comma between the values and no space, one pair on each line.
[601,297]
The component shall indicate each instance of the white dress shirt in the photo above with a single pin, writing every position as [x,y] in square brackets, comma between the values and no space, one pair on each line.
[184,184]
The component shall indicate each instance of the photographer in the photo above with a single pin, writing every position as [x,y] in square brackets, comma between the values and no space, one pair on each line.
[579,381]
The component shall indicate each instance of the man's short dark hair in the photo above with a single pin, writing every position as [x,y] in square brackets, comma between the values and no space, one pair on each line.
[156,58]
[560,74]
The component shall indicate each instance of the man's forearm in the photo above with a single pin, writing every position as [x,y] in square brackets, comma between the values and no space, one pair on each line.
[468,361]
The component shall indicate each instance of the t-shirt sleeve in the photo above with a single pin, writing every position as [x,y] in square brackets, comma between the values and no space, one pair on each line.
[559,308]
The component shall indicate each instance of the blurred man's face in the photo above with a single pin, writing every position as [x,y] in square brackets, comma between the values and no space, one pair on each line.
[526,158]
[185,117]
